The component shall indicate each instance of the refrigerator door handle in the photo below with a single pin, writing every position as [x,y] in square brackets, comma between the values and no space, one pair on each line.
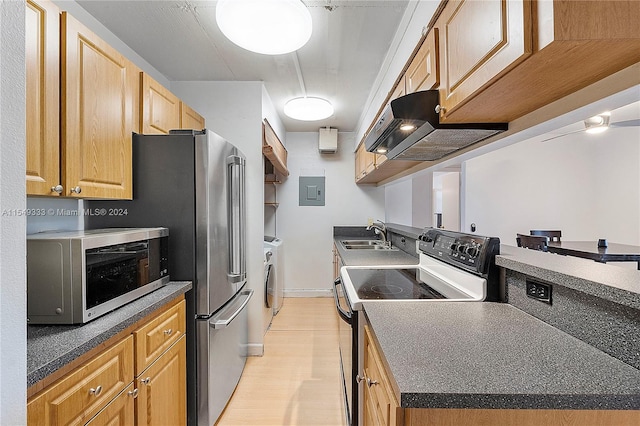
[224,318]
[236,217]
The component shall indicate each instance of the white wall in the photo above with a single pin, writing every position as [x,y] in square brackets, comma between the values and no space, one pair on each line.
[234,111]
[409,201]
[585,185]
[307,232]
[13,299]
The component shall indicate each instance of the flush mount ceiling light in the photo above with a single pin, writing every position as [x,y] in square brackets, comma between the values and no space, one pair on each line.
[598,123]
[308,109]
[270,27]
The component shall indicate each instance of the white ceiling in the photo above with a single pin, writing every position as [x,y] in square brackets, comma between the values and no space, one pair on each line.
[341,61]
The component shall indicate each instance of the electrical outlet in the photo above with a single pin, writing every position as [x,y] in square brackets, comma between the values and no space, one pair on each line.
[539,291]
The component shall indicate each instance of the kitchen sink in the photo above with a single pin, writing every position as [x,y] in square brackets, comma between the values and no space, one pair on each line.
[366,245]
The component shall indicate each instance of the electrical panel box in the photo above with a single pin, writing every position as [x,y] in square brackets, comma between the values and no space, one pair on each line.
[328,141]
[311,191]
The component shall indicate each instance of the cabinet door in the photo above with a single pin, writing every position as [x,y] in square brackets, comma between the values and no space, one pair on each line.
[380,403]
[479,42]
[399,90]
[99,89]
[80,395]
[160,108]
[162,397]
[423,73]
[189,118]
[42,55]
[157,335]
[120,411]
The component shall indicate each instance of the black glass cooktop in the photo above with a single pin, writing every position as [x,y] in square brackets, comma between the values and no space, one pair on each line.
[390,284]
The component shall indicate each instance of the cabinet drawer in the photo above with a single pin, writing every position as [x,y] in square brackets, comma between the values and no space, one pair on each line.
[120,411]
[152,339]
[79,396]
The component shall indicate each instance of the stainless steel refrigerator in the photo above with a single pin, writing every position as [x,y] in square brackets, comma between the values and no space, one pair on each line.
[192,182]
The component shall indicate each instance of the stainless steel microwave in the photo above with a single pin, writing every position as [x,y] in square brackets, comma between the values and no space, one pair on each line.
[74,277]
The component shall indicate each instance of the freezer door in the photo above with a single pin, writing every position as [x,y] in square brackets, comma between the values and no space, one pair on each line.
[221,356]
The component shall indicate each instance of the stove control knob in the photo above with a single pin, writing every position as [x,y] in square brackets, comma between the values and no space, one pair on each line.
[453,247]
[462,248]
[472,251]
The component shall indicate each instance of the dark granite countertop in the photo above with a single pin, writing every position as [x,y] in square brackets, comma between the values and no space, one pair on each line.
[609,282]
[367,257]
[54,346]
[493,355]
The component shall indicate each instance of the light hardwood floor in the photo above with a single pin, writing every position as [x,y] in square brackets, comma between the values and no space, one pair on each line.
[297,381]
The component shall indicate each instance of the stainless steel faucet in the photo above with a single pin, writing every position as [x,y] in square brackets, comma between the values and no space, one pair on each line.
[380,229]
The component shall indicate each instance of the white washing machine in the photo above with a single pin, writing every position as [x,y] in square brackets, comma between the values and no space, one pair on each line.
[269,285]
[275,245]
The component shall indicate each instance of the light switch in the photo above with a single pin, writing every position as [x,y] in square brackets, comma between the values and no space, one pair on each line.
[311,191]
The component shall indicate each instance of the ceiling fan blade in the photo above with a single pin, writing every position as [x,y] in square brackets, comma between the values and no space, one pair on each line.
[627,123]
[562,135]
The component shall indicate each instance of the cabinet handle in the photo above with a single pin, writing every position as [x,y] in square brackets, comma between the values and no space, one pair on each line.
[168,332]
[76,190]
[146,381]
[57,188]
[96,391]
[133,393]
[371,382]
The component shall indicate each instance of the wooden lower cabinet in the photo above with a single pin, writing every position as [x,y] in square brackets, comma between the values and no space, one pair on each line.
[381,406]
[104,390]
[483,417]
[80,395]
[162,389]
[120,411]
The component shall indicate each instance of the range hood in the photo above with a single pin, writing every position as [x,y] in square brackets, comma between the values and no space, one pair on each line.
[410,129]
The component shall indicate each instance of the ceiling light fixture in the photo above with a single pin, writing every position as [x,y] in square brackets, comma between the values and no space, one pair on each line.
[270,27]
[306,108]
[598,123]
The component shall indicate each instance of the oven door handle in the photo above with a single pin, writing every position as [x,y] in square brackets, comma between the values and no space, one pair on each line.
[346,316]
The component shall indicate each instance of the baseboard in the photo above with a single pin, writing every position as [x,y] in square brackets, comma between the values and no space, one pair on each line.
[255,349]
[314,292]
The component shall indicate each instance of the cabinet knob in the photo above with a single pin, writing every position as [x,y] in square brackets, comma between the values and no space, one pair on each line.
[146,381]
[96,391]
[440,109]
[371,382]
[133,393]
[76,190]
[57,188]
[359,379]
[168,332]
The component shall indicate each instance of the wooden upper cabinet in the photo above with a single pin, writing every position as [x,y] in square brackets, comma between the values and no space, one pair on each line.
[160,108]
[479,42]
[42,55]
[423,72]
[99,100]
[399,90]
[189,118]
[273,149]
